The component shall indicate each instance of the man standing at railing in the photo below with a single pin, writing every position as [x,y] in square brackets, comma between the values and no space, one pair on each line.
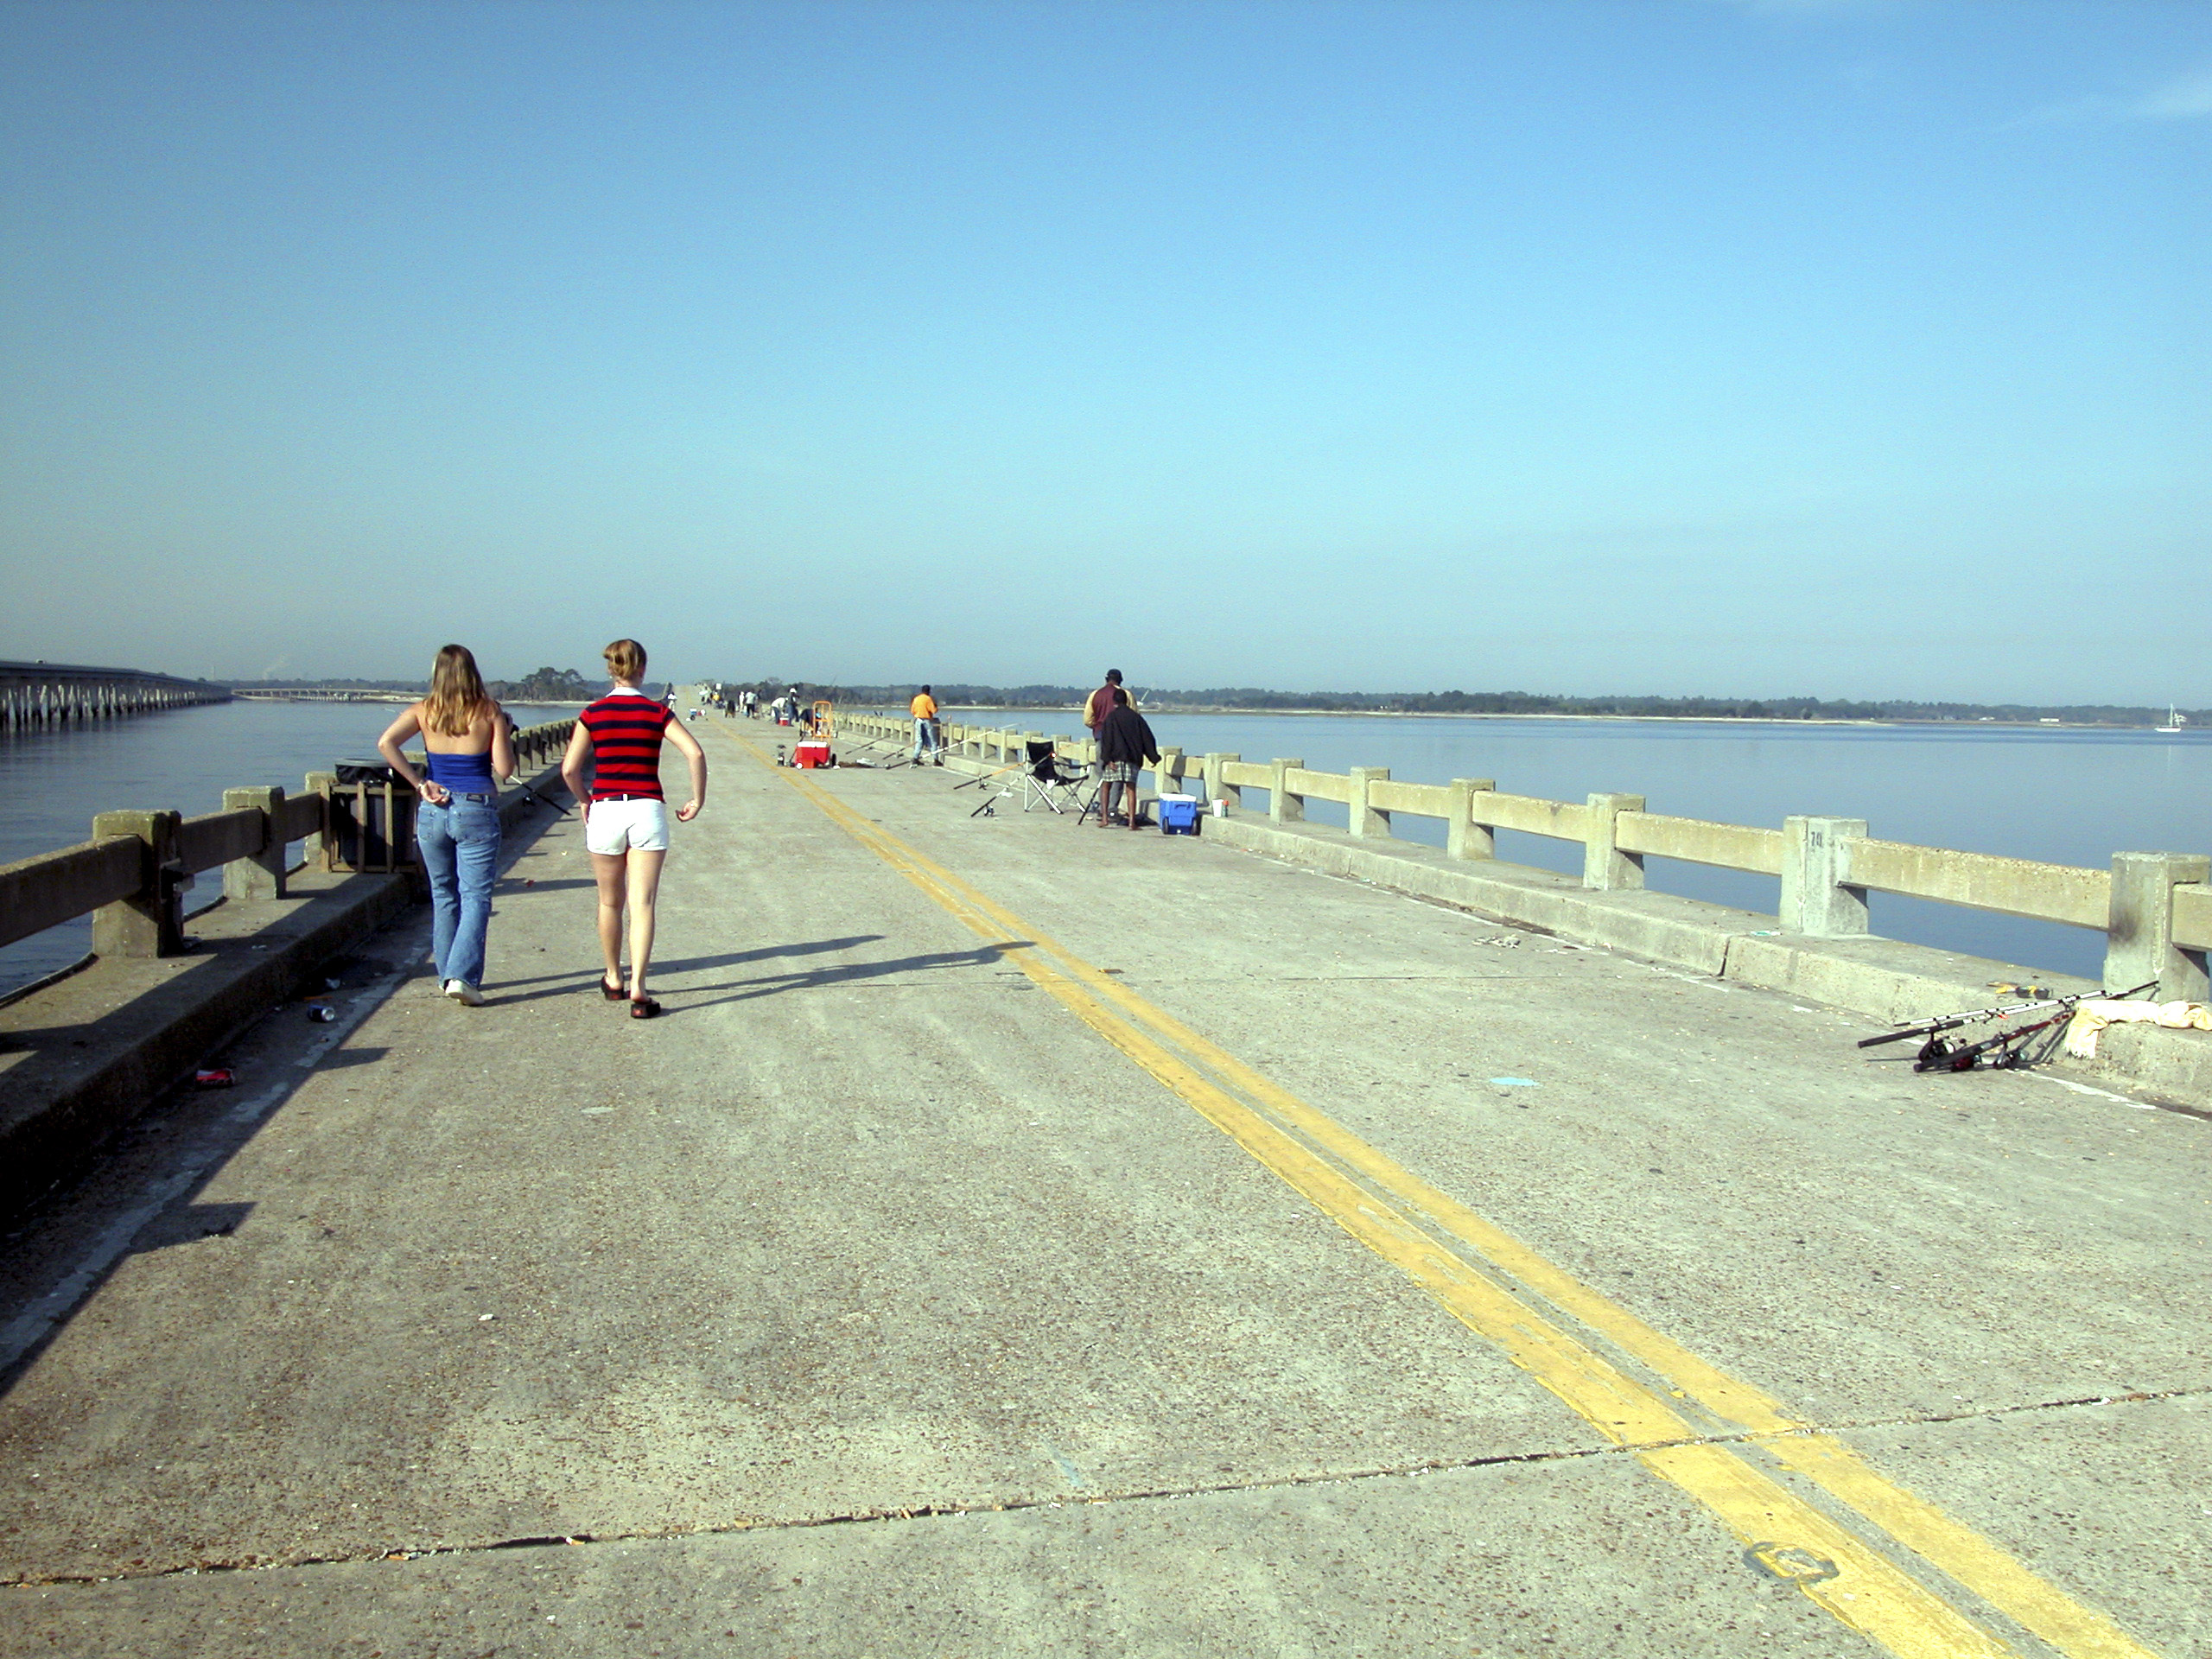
[923,710]
[1125,747]
[1101,702]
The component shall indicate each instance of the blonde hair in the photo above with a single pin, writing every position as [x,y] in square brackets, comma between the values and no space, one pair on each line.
[626,660]
[457,699]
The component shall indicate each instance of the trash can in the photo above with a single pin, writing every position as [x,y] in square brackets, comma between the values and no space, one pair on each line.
[372,819]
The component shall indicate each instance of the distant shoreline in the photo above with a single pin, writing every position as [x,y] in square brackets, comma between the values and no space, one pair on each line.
[2039,725]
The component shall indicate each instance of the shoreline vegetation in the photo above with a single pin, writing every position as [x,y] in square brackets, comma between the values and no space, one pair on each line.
[1512,705]
[548,685]
[542,685]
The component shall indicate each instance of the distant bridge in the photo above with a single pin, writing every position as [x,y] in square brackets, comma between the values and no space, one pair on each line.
[323,693]
[48,693]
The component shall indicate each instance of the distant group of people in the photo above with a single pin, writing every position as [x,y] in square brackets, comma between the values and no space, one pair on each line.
[611,767]
[1124,740]
[468,745]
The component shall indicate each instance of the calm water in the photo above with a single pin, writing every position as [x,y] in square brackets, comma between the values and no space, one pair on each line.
[2068,797]
[52,782]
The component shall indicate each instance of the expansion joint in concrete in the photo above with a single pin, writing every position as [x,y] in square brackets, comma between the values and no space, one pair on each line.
[1412,1470]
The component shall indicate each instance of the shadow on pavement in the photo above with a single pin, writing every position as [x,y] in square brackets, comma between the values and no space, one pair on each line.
[568,984]
[746,990]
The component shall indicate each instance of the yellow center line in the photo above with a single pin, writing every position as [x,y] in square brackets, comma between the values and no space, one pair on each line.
[1833,1568]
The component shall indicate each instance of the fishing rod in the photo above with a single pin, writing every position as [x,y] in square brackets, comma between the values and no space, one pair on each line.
[2007,1050]
[986,777]
[559,810]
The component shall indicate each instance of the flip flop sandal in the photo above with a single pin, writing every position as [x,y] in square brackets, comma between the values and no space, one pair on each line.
[643,1007]
[614,992]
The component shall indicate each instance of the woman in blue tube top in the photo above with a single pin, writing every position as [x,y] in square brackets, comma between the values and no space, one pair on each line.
[466,737]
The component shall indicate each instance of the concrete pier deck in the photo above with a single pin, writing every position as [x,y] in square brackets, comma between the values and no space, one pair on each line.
[1021,1237]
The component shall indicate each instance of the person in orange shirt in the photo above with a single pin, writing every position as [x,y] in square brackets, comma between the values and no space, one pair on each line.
[923,710]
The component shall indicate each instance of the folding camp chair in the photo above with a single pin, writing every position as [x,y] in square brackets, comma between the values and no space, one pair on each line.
[1052,781]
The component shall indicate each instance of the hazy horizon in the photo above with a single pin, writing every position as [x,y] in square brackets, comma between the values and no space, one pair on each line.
[1857,346]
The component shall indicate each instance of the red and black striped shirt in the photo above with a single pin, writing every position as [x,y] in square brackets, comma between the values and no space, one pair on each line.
[626,728]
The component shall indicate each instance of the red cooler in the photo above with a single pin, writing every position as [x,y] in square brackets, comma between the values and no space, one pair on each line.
[811,755]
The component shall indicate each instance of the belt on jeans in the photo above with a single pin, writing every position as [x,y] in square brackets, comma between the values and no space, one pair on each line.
[452,795]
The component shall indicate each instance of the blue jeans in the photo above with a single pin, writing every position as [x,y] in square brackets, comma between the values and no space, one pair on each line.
[925,737]
[460,852]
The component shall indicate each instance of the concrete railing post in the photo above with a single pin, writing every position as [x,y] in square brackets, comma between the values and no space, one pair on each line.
[1218,788]
[1170,771]
[1365,820]
[1817,899]
[150,923]
[1605,867]
[2139,934]
[316,853]
[1283,807]
[263,876]
[1463,836]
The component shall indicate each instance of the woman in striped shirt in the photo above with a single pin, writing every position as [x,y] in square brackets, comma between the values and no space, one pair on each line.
[626,819]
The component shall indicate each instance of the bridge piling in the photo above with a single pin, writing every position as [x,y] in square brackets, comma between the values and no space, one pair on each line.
[49,694]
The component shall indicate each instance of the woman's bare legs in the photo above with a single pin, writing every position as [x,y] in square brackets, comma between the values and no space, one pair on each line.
[612,870]
[644,886]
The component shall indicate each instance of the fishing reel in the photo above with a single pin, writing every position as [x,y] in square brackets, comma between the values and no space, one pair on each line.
[1937,1055]
[2004,1052]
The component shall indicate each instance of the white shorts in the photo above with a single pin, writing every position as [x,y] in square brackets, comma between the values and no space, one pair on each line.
[625,826]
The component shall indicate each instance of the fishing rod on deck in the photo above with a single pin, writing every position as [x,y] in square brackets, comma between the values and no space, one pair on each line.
[2013,1048]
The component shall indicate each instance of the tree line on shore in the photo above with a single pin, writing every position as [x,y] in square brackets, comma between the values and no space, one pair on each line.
[1258,700]
[568,685]
[540,686]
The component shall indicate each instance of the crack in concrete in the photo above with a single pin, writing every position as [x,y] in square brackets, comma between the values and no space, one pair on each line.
[1286,1483]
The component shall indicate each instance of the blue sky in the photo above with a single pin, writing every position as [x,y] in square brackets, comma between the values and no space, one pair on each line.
[1842,349]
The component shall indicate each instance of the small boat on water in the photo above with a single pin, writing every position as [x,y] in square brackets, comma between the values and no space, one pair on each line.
[2174,721]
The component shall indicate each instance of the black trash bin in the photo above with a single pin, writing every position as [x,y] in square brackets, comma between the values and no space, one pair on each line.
[372,819]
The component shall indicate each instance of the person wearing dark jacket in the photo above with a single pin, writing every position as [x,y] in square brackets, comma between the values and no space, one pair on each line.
[1125,744]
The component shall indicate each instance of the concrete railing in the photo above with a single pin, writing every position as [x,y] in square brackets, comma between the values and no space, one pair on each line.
[2154,909]
[130,876]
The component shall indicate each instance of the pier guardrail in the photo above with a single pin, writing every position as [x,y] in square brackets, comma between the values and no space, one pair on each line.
[2154,909]
[130,876]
